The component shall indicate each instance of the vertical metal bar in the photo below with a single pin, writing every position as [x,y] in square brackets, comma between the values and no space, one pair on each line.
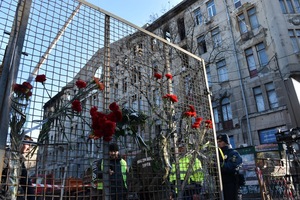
[106,190]
[11,63]
[215,134]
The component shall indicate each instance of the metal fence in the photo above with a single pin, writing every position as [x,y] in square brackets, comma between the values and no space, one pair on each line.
[95,80]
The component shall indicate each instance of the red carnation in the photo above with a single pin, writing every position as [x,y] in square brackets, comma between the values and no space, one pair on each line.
[80,84]
[197,122]
[76,106]
[191,112]
[19,89]
[208,124]
[157,75]
[27,85]
[40,78]
[169,76]
[109,128]
[113,106]
[93,110]
[171,97]
[104,125]
[115,116]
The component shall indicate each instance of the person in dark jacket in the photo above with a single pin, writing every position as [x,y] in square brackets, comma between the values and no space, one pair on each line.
[230,161]
[24,181]
[117,175]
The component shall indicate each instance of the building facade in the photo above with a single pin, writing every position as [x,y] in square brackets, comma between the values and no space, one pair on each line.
[251,52]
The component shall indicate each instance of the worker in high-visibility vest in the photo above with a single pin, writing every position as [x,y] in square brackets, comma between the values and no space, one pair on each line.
[117,175]
[194,183]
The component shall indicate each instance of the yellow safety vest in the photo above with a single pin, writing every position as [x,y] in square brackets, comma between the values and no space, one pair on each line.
[184,162]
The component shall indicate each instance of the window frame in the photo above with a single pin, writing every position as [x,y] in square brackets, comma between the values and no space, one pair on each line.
[252,15]
[226,112]
[201,43]
[222,71]
[243,27]
[181,28]
[198,16]
[289,6]
[218,123]
[211,8]
[295,39]
[262,54]
[259,99]
[216,37]
[208,75]
[237,3]
[272,95]
[249,59]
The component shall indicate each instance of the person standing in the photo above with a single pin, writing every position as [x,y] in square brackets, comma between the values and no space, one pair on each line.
[24,181]
[117,175]
[230,161]
[193,186]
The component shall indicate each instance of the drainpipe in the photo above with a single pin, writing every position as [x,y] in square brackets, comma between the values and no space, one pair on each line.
[240,76]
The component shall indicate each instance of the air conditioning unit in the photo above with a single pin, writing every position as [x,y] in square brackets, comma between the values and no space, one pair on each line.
[208,20]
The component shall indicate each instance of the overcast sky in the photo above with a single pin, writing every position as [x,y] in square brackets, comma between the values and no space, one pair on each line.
[137,12]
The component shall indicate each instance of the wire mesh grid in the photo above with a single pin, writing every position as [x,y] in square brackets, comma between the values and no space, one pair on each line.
[98,80]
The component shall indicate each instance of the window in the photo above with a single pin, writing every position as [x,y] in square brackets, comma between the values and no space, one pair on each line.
[251,62]
[297,5]
[153,44]
[242,23]
[116,89]
[262,55]
[167,35]
[181,28]
[260,105]
[289,6]
[256,57]
[154,66]
[272,97]
[267,136]
[237,3]
[247,20]
[124,85]
[222,71]
[216,37]
[156,97]
[198,17]
[134,102]
[253,18]
[226,114]
[211,8]
[282,6]
[218,124]
[201,45]
[295,39]
[208,74]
